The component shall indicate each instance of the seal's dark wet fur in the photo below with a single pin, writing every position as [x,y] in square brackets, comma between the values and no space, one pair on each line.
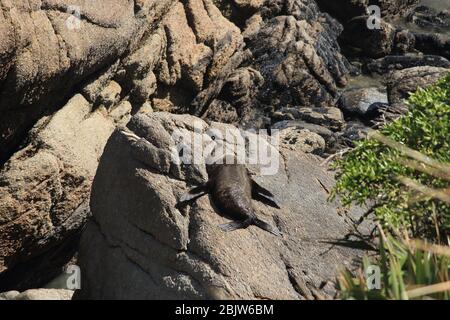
[232,189]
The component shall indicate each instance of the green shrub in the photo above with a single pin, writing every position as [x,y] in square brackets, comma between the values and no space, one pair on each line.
[407,272]
[379,172]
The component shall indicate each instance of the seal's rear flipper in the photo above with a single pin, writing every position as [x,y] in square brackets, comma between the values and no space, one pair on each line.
[267,227]
[234,225]
[193,194]
[265,196]
[260,189]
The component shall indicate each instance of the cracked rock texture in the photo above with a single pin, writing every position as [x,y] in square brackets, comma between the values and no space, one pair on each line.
[44,51]
[403,82]
[139,245]
[65,84]
[71,72]
[44,186]
[38,294]
[345,10]
[296,62]
[125,56]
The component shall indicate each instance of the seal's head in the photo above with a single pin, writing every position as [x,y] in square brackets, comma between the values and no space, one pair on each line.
[212,163]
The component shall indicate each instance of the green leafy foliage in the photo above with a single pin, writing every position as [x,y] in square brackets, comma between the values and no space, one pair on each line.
[406,273]
[371,171]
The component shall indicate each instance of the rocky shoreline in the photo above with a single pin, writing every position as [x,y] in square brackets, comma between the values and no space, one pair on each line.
[68,89]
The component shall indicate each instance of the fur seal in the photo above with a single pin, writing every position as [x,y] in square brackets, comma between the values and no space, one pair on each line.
[232,188]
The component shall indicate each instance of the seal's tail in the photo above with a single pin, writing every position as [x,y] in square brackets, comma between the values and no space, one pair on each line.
[267,227]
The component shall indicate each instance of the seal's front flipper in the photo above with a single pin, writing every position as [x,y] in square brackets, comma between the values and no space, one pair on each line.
[265,196]
[235,225]
[193,194]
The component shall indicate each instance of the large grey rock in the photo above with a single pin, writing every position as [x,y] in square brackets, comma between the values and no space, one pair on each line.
[331,118]
[328,135]
[364,102]
[374,43]
[344,10]
[302,140]
[396,62]
[187,47]
[238,11]
[38,294]
[130,56]
[45,185]
[403,82]
[433,43]
[140,245]
[295,62]
[47,48]
[202,49]
[430,19]
[299,59]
